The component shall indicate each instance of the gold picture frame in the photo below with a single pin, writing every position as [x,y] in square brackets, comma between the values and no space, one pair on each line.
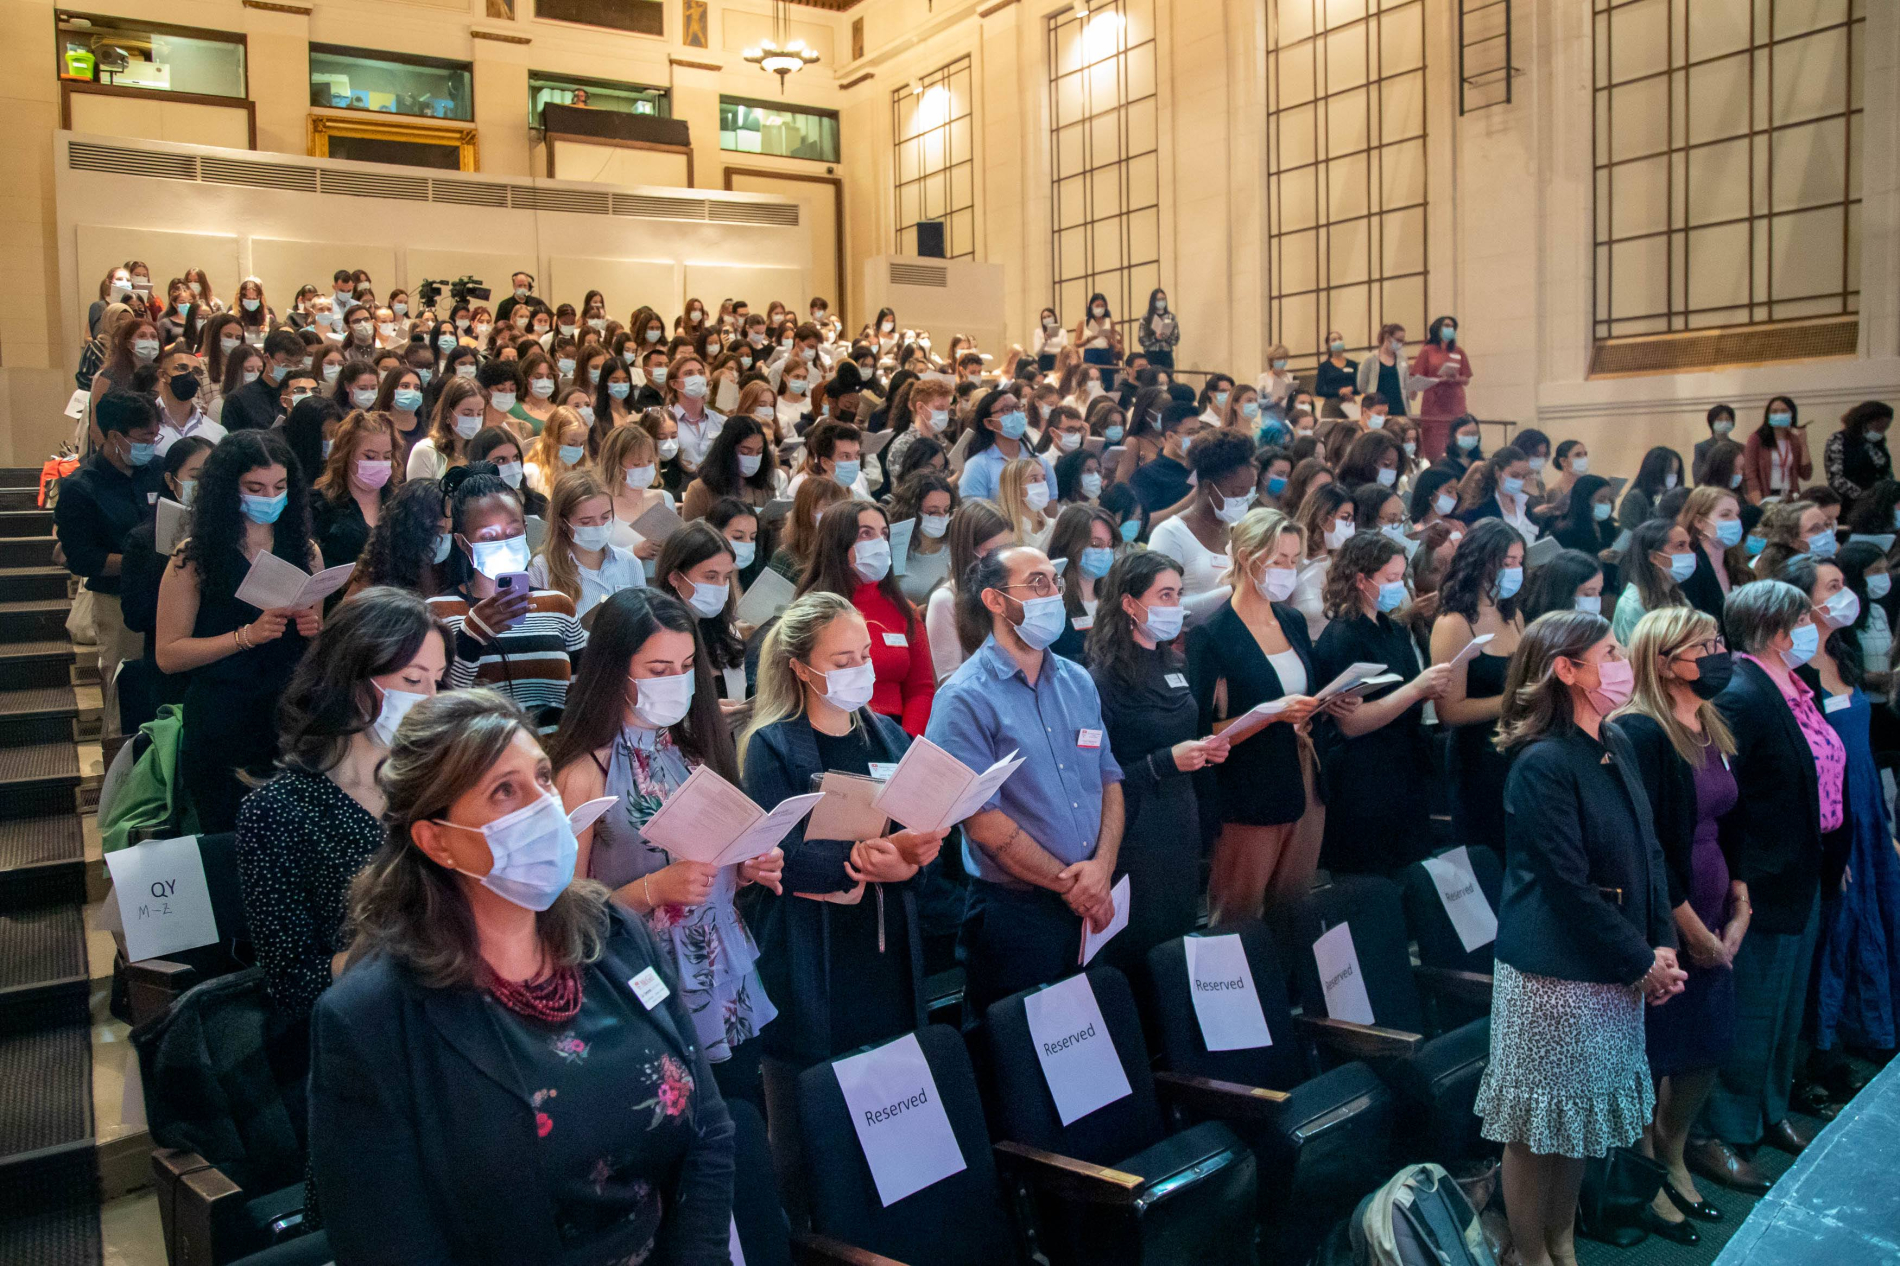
[323,126]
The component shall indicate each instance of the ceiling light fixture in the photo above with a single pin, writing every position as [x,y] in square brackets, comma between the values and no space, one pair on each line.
[782,54]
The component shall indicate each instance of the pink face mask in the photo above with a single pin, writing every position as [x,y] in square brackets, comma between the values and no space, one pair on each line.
[372,474]
[1616,682]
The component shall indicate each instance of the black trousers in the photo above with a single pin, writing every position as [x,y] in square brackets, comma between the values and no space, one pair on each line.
[1013,940]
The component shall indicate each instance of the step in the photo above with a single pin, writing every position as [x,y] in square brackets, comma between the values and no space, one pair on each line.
[46,1117]
[26,522]
[19,476]
[33,620]
[43,977]
[42,862]
[23,584]
[27,551]
[45,662]
[37,714]
[19,498]
[38,781]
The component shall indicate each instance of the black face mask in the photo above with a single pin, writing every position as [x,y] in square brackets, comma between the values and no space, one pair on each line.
[1713,673]
[185,385]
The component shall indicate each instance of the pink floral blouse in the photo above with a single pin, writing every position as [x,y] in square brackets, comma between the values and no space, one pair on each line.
[1830,757]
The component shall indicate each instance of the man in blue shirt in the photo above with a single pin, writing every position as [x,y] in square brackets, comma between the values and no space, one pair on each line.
[1043,849]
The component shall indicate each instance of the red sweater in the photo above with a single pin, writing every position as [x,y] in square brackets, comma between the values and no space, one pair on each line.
[906,681]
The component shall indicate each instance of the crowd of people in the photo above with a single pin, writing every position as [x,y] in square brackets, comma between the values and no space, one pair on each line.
[1664,701]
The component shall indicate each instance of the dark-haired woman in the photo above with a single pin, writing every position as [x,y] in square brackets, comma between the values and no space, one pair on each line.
[1855,457]
[304,835]
[508,1071]
[143,689]
[1083,538]
[851,557]
[997,429]
[310,430]
[1572,581]
[250,501]
[698,564]
[1775,458]
[646,716]
[410,544]
[519,640]
[1478,598]
[929,500]
[738,464]
[1585,521]
[1225,487]
[1659,559]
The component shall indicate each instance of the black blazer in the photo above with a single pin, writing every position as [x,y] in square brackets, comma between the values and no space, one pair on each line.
[1704,588]
[1586,896]
[1260,783]
[1669,782]
[422,1132]
[794,936]
[1778,851]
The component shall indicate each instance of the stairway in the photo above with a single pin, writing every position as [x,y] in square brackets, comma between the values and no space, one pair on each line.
[49,1190]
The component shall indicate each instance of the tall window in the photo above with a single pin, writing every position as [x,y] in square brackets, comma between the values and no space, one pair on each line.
[930,117]
[1106,190]
[1346,164]
[1726,187]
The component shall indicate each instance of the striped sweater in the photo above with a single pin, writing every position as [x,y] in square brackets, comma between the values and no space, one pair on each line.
[532,661]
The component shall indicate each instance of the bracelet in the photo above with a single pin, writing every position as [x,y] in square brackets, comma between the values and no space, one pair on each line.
[237,635]
[646,888]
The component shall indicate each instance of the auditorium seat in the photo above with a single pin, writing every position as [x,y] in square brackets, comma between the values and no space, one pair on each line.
[1460,980]
[757,1216]
[152,985]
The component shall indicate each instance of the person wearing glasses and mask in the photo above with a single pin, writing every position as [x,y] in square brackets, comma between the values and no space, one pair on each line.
[998,427]
[1043,850]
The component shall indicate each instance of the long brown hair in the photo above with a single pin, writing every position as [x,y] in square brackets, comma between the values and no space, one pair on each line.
[810,501]
[334,480]
[975,522]
[448,445]
[1536,700]
[414,910]
[829,568]
[570,490]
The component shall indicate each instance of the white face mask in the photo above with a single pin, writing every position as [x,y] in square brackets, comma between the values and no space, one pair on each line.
[1036,496]
[1446,503]
[532,852]
[1591,602]
[871,560]
[749,464]
[1388,476]
[1580,465]
[541,387]
[663,701]
[1091,485]
[639,477]
[592,536]
[848,689]
[1338,534]
[510,473]
[495,559]
[669,449]
[708,601]
[466,427]
[501,401]
[1070,441]
[363,397]
[933,525]
[693,386]
[396,705]
[1232,510]
[1276,583]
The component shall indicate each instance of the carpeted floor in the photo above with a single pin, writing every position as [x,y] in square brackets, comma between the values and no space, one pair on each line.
[1656,1251]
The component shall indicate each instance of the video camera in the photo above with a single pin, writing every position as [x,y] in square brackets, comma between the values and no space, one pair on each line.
[461,290]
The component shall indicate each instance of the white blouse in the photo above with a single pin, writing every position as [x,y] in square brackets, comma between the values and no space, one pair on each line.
[1202,567]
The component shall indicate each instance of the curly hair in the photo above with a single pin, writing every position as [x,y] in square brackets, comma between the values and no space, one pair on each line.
[1363,555]
[401,548]
[215,547]
[1472,575]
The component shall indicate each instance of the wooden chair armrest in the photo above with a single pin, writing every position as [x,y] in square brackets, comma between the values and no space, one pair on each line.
[1076,1180]
[1220,1099]
[1465,986]
[191,1193]
[819,1249]
[153,984]
[1361,1041]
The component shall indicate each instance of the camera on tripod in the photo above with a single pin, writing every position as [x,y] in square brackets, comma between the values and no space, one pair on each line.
[461,290]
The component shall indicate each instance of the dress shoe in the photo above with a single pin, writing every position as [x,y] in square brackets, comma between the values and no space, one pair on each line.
[1700,1210]
[1812,1099]
[1714,1159]
[1842,1080]
[1789,1136]
[1678,1232]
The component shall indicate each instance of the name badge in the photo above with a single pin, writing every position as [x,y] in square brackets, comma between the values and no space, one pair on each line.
[650,989]
[896,639]
[882,770]
[1083,623]
[1177,680]
[1836,702]
[151,498]
[1089,738]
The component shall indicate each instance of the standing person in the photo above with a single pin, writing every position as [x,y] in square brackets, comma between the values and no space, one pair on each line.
[1225,486]
[1449,364]
[303,836]
[579,558]
[1477,597]
[1713,519]
[1378,766]
[930,500]
[99,504]
[997,429]
[257,404]
[1661,470]
[353,486]
[181,408]
[1100,340]
[457,419]
[1721,423]
[1684,753]
[1789,769]
[1024,494]
[644,719]
[1384,372]
[1084,539]
[1166,482]
[698,564]
[604,1138]
[1659,559]
[1855,457]
[1327,519]
[1160,333]
[1254,649]
[1155,733]
[1049,339]
[851,557]
[1567,1077]
[801,526]
[1337,378]
[687,392]
[1775,458]
[559,449]
[1582,520]
[739,464]
[250,501]
[1040,869]
[628,464]
[955,628]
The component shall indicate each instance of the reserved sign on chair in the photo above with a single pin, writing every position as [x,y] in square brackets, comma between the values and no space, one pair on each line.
[899,1117]
[1078,1057]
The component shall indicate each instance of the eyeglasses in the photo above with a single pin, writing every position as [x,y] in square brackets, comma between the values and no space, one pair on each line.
[1040,585]
[1713,646]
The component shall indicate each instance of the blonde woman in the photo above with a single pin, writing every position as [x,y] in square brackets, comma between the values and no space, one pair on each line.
[457,419]
[560,448]
[812,716]
[578,558]
[1255,649]
[1023,491]
[757,401]
[1683,755]
[1276,384]
[628,467]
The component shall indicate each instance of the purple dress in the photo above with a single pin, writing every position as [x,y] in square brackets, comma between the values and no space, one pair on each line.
[1695,1029]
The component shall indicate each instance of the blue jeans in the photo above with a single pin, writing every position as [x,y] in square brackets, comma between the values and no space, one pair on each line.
[1771,989]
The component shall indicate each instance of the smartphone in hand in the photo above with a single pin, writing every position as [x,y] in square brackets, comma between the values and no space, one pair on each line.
[514,583]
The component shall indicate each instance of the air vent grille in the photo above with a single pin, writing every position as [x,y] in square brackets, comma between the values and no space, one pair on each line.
[653,208]
[239,171]
[364,184]
[783,214]
[131,162]
[935,276]
[1716,349]
[468,193]
[578,201]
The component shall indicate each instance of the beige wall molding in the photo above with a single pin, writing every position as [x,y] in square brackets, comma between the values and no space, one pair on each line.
[857,79]
[271,6]
[685,64]
[500,37]
[324,126]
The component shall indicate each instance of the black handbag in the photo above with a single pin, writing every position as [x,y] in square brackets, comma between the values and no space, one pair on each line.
[1616,1189]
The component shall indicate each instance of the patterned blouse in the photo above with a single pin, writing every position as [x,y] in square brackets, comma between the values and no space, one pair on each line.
[712,950]
[1830,758]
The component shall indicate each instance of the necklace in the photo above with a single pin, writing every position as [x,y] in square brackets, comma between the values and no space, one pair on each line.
[551,999]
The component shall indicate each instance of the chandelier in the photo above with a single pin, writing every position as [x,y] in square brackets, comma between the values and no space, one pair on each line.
[781,54]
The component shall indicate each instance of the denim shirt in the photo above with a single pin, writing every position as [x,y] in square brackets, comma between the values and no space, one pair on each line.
[987,709]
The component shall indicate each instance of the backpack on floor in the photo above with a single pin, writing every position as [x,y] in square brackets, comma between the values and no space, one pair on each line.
[1419,1218]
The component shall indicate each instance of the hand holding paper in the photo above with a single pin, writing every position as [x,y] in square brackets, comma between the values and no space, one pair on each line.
[1093,938]
[272,583]
[709,820]
[1472,649]
[932,791]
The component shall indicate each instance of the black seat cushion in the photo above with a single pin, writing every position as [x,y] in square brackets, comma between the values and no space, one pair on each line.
[1438,943]
[764,1235]
[1438,1087]
[1372,906]
[1178,1029]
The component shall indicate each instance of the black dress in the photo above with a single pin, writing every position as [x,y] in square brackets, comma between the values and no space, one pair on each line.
[301,839]
[1260,782]
[230,720]
[1377,784]
[1146,715]
[1478,769]
[338,528]
[143,689]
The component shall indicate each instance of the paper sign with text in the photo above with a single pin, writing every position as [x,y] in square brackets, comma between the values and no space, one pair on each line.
[1340,978]
[1078,1057]
[899,1117]
[1221,983]
[163,897]
[1465,903]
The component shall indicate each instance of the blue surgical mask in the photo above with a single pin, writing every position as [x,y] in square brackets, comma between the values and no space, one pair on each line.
[619,390]
[1130,529]
[408,399]
[845,473]
[1807,641]
[1879,585]
[743,552]
[141,454]
[532,854]
[263,509]
[1729,533]
[1113,434]
[571,454]
[1163,624]
[443,544]
[1681,566]
[1096,560]
[1781,420]
[1603,509]
[1756,545]
[1392,596]
[1250,409]
[1822,544]
[1276,484]
[1014,424]
[1512,485]
[1043,621]
[1510,580]
[1467,442]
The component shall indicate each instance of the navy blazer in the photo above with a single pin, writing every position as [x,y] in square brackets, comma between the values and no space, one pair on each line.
[1778,854]
[422,1131]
